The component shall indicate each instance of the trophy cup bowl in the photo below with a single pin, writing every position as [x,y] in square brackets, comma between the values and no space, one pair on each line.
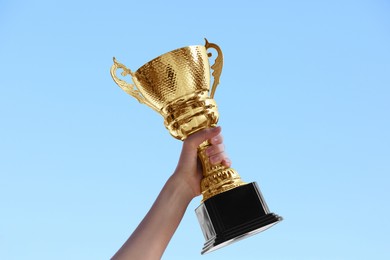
[177,86]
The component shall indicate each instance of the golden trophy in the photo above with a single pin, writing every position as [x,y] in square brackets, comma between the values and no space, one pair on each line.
[177,86]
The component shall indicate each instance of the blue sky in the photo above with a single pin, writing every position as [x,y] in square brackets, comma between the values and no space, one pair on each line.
[304,104]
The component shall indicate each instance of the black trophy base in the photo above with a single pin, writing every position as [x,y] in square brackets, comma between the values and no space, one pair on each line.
[233,215]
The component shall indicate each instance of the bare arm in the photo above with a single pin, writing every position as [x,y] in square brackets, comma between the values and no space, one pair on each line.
[153,234]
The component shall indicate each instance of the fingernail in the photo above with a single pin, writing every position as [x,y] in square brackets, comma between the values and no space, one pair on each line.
[213,160]
[228,162]
[215,129]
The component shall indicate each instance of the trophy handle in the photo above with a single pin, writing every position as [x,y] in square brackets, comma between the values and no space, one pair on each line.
[217,66]
[128,88]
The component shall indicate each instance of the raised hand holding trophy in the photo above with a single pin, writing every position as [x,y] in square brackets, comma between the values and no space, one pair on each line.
[177,86]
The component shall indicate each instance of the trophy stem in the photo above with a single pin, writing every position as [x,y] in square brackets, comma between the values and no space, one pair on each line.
[216,178]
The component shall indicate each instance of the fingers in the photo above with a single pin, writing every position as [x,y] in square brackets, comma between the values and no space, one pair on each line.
[220,158]
[216,151]
[196,139]
[216,139]
[217,155]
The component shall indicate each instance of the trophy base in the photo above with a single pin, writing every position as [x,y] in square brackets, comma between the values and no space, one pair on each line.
[233,215]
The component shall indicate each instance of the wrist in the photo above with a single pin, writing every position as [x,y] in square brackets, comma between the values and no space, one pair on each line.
[181,187]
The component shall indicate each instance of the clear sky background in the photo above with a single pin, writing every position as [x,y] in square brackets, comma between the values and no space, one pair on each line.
[304,104]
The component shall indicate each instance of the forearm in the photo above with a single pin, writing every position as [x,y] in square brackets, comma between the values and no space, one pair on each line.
[149,240]
[153,234]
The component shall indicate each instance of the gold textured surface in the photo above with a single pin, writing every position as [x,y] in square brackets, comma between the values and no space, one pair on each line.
[177,86]
[174,74]
[216,178]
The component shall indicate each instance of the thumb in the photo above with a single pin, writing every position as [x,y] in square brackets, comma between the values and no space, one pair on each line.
[196,139]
